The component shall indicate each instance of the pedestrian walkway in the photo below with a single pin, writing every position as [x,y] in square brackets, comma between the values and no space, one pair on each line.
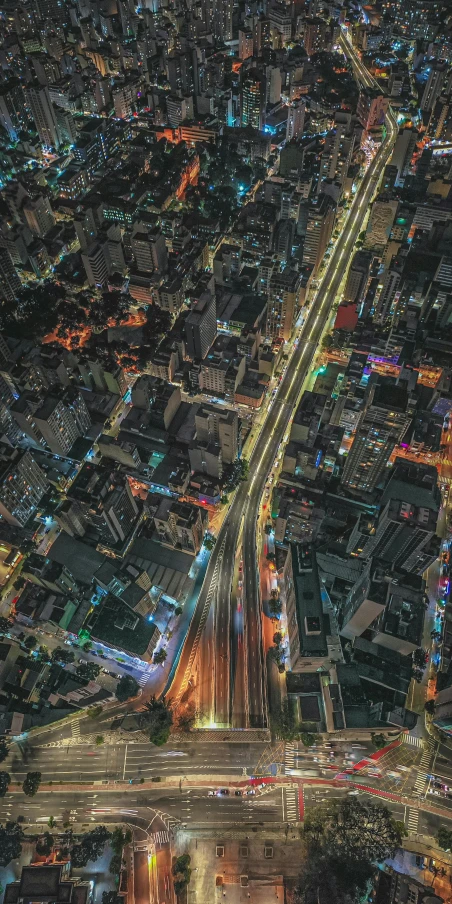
[412,739]
[422,775]
[413,821]
[289,756]
[290,808]
[75,728]
[143,678]
[160,837]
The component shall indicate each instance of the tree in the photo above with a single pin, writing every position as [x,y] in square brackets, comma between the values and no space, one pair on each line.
[51,822]
[88,670]
[160,656]
[274,607]
[59,654]
[284,723]
[30,642]
[45,844]
[186,718]
[31,783]
[340,848]
[157,720]
[119,839]
[378,740]
[115,864]
[4,625]
[11,836]
[429,707]
[5,780]
[181,873]
[419,658]
[417,675]
[99,740]
[209,541]
[178,610]
[126,688]
[91,846]
[277,638]
[4,749]
[308,739]
[444,838]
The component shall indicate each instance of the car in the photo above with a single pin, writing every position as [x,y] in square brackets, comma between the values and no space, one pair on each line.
[224,791]
[211,794]
[238,793]
[250,791]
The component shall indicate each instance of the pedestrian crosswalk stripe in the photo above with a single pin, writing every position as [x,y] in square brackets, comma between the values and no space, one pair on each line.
[75,728]
[289,755]
[412,739]
[291,805]
[160,837]
[413,821]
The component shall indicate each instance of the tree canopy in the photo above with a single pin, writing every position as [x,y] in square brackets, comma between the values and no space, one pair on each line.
[31,783]
[11,837]
[341,848]
[5,781]
[127,687]
[91,846]
[156,720]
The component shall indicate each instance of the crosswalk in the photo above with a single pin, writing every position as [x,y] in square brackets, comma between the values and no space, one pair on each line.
[413,821]
[143,678]
[413,740]
[422,773]
[291,805]
[75,728]
[289,756]
[160,837]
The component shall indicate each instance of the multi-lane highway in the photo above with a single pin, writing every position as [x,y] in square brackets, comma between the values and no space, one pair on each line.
[244,510]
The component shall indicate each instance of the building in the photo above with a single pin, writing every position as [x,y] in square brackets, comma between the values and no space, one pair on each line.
[22,486]
[201,326]
[439,79]
[399,888]
[252,99]
[283,301]
[402,154]
[97,264]
[357,276]
[319,229]
[58,425]
[311,644]
[39,215]
[382,425]
[38,100]
[316,36]
[371,108]
[246,44]
[214,425]
[12,108]
[295,119]
[149,249]
[10,283]
[405,534]
[380,224]
[181,525]
[48,882]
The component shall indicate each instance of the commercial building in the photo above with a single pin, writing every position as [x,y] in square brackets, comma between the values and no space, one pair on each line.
[283,301]
[10,283]
[201,326]
[381,426]
[252,99]
[38,100]
[22,485]
[319,229]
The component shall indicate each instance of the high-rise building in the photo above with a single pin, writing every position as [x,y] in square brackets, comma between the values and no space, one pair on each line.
[405,535]
[315,36]
[245,44]
[222,19]
[217,427]
[440,77]
[357,276]
[13,113]
[39,215]
[403,152]
[96,261]
[382,425]
[252,99]
[261,34]
[319,229]
[371,108]
[9,281]
[57,423]
[201,326]
[38,100]
[339,146]
[295,119]
[181,525]
[85,228]
[283,301]
[22,486]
